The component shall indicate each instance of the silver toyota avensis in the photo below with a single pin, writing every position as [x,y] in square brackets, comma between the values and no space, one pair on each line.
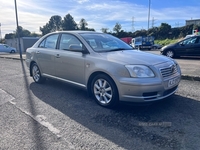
[109,69]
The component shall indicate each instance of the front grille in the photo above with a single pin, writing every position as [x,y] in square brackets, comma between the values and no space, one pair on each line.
[169,71]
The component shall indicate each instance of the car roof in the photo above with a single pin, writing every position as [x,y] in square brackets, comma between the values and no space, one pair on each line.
[188,38]
[194,36]
[75,31]
[72,32]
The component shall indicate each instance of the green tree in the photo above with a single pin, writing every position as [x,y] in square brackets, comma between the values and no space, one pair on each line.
[83,24]
[153,32]
[104,30]
[35,34]
[9,36]
[45,29]
[164,31]
[117,28]
[69,23]
[54,24]
[90,29]
[22,32]
[195,27]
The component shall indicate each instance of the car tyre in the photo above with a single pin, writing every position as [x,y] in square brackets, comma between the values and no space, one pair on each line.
[170,53]
[154,47]
[12,51]
[104,91]
[36,74]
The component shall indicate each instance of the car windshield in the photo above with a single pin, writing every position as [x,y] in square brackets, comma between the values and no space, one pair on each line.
[104,42]
[189,41]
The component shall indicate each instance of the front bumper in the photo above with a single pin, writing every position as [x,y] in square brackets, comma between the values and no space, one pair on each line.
[147,90]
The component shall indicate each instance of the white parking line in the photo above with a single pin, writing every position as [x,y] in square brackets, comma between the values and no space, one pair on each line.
[5,97]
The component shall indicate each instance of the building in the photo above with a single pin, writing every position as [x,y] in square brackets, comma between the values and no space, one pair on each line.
[25,42]
[195,22]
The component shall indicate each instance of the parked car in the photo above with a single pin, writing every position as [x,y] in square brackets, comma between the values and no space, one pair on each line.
[156,46]
[108,68]
[186,47]
[7,49]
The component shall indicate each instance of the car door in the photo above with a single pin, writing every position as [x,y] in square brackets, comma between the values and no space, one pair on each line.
[195,49]
[1,48]
[186,47]
[45,55]
[70,64]
[4,48]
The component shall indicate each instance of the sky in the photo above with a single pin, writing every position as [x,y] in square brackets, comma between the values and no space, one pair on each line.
[131,14]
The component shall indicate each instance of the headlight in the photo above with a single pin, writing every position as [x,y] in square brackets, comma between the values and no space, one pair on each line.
[164,47]
[140,71]
[177,65]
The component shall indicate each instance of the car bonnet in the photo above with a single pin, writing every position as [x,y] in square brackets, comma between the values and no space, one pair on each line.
[134,57]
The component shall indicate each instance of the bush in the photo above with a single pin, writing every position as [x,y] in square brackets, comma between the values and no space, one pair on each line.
[166,41]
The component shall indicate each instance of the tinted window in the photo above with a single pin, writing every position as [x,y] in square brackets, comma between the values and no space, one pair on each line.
[6,46]
[49,42]
[198,40]
[68,40]
[188,41]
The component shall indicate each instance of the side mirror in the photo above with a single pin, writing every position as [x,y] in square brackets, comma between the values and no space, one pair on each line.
[75,47]
[181,44]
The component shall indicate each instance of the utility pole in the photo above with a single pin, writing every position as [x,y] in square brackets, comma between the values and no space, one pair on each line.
[149,14]
[20,51]
[153,22]
[0,34]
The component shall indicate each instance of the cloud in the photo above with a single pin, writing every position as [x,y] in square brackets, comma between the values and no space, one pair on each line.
[82,1]
[98,14]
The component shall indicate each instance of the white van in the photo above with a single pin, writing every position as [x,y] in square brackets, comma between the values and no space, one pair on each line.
[7,49]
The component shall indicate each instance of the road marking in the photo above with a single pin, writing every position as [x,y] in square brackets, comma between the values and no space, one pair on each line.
[5,97]
[42,120]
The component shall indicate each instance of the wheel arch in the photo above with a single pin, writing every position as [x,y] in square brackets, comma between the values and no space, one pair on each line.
[31,64]
[92,77]
[12,51]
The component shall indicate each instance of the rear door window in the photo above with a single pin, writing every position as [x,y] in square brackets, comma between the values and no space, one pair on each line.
[49,42]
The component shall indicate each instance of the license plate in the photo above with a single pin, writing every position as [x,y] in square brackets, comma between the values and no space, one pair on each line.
[173,82]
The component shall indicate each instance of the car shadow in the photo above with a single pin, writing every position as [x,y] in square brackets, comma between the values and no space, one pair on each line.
[162,124]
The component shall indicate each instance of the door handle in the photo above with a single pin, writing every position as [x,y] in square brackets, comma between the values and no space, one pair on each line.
[37,52]
[57,55]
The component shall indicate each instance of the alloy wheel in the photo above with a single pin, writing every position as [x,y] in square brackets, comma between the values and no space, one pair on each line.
[103,91]
[36,73]
[170,54]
